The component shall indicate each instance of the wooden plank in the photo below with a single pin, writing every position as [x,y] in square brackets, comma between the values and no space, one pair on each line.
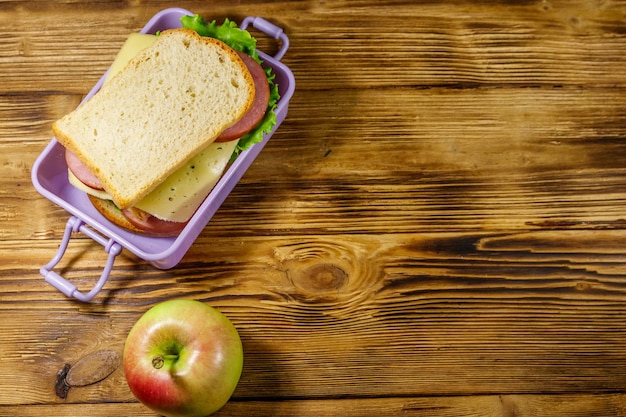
[518,405]
[459,44]
[456,159]
[540,312]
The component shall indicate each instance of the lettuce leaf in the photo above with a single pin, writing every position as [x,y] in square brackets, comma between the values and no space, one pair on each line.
[239,40]
[227,32]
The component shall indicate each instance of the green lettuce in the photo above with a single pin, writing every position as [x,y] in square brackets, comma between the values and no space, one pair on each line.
[239,40]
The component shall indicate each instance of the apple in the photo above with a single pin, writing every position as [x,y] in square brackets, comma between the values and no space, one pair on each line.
[183,358]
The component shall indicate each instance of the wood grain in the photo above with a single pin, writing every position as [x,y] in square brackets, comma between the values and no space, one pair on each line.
[518,405]
[437,228]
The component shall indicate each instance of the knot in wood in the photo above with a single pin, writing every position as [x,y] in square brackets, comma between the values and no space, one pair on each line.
[321,278]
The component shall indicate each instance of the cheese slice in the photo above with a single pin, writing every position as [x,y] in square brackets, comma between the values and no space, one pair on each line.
[177,198]
[81,186]
[135,43]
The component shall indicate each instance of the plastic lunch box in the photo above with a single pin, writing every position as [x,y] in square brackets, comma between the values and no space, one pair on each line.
[49,176]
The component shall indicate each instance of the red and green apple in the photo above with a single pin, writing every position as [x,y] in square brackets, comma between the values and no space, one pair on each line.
[183,358]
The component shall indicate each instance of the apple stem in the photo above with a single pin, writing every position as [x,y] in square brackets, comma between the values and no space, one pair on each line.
[159,361]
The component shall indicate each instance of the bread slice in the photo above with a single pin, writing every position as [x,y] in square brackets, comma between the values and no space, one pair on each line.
[171,101]
[110,211]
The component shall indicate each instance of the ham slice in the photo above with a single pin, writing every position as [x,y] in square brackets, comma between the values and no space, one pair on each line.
[259,106]
[152,225]
[81,171]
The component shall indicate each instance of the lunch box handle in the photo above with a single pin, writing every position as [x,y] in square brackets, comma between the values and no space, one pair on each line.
[66,287]
[269,29]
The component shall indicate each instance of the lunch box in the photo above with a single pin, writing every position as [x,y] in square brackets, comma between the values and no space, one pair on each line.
[50,178]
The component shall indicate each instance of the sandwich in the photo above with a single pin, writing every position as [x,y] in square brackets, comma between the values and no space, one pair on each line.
[175,109]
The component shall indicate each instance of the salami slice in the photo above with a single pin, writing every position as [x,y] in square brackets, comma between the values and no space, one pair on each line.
[259,106]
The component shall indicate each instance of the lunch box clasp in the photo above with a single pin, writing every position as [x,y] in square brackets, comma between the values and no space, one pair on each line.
[66,287]
[269,29]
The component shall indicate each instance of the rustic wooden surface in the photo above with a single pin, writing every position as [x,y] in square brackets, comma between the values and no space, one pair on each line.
[437,229]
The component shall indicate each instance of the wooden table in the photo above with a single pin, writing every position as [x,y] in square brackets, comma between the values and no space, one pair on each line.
[437,229]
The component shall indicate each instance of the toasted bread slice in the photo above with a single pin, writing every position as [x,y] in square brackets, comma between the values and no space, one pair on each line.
[171,101]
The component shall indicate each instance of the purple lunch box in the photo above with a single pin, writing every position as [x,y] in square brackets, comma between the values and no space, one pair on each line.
[49,176]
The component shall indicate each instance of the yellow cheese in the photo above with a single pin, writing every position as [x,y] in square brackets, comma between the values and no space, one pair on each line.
[78,184]
[178,197]
[135,43]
